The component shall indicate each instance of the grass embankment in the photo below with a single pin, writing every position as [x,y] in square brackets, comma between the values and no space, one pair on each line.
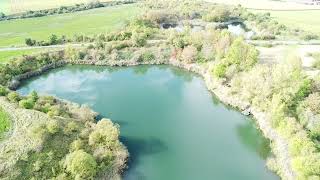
[4,122]
[10,7]
[5,56]
[306,20]
[93,21]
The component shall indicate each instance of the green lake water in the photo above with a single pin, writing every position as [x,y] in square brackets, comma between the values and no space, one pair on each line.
[174,128]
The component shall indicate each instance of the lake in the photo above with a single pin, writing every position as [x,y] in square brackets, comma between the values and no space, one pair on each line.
[174,128]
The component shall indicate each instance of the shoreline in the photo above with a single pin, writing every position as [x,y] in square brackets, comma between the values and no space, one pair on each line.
[279,145]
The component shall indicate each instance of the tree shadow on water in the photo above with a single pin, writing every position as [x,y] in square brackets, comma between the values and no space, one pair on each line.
[139,147]
[252,138]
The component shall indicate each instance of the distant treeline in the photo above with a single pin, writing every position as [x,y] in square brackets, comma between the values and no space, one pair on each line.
[63,9]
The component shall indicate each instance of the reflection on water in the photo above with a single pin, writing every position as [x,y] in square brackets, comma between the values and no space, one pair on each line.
[248,136]
[173,127]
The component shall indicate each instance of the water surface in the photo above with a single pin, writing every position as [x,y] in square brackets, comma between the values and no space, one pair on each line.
[173,127]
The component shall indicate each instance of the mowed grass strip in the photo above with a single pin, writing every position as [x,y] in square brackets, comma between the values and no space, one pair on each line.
[100,20]
[4,122]
[306,20]
[18,6]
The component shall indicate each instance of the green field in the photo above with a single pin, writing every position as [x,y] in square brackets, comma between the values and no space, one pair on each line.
[4,122]
[266,4]
[17,6]
[5,56]
[93,21]
[306,20]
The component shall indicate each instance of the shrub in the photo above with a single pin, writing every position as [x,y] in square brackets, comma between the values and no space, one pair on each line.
[53,126]
[33,96]
[219,70]
[160,16]
[53,39]
[44,103]
[189,54]
[142,23]
[104,134]
[30,42]
[71,127]
[178,40]
[39,131]
[119,36]
[139,39]
[241,54]
[121,45]
[77,145]
[146,56]
[2,15]
[313,102]
[13,97]
[310,36]
[3,91]
[307,166]
[99,44]
[218,14]
[81,165]
[71,53]
[26,103]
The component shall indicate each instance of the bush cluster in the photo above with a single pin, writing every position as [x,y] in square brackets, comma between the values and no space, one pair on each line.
[53,40]
[87,150]
[217,14]
[231,55]
[27,63]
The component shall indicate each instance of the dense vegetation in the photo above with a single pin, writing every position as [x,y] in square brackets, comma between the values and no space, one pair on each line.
[291,99]
[26,64]
[86,149]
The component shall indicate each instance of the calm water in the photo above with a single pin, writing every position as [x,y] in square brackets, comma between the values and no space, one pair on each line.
[173,127]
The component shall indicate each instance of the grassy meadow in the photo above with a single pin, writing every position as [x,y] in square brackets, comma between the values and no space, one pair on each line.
[18,6]
[93,21]
[266,4]
[307,20]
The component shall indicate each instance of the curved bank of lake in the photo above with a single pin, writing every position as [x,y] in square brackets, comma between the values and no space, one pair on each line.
[172,125]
